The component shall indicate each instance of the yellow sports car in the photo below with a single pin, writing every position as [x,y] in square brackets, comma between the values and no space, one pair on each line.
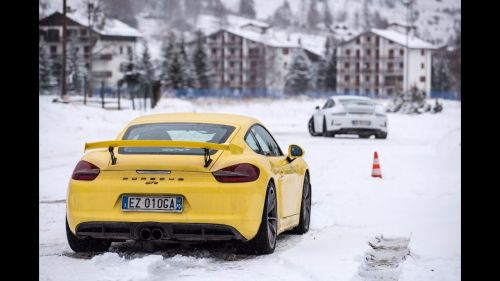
[188,177]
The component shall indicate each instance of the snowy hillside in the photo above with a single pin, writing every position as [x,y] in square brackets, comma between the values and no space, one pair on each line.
[417,199]
[435,19]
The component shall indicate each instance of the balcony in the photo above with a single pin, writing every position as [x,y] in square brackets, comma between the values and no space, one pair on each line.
[102,74]
[102,57]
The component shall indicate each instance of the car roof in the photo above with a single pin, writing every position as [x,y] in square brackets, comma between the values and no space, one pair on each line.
[212,118]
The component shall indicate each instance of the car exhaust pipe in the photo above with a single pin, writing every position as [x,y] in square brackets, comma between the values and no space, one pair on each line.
[145,234]
[157,233]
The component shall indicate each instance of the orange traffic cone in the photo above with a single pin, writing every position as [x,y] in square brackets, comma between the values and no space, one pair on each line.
[376,173]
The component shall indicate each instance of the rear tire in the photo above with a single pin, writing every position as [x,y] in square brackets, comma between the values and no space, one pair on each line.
[364,136]
[310,126]
[265,241]
[325,130]
[305,208]
[87,244]
[381,135]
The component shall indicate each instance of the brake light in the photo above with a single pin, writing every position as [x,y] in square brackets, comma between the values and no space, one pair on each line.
[237,173]
[85,171]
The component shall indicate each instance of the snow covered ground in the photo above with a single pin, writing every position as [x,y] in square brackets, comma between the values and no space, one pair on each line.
[418,198]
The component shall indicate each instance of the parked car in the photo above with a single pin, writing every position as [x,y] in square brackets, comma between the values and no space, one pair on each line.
[349,115]
[188,177]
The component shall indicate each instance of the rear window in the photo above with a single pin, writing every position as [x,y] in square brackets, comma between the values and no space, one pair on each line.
[200,132]
[355,102]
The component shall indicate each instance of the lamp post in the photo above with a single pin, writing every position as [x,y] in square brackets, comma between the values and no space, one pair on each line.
[63,82]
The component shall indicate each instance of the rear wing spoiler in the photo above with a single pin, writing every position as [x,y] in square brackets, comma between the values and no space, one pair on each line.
[206,146]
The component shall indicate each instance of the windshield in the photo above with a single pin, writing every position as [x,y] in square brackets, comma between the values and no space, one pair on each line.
[355,102]
[213,133]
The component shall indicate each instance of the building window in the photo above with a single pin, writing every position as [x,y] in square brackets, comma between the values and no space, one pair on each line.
[53,50]
[368,38]
[376,92]
[357,40]
[357,54]
[376,67]
[83,32]
[347,78]
[129,50]
[367,65]
[390,42]
[86,49]
[367,91]
[356,91]
[348,52]
[253,52]
[422,52]
[121,50]
[346,91]
[53,35]
[422,78]
[401,65]
[357,67]
[231,51]
[422,66]
[377,53]
[214,52]
[368,52]
[391,53]
[285,51]
[216,64]
[346,65]
[231,77]
[231,64]
[367,78]
[390,67]
[285,64]
[376,80]
[253,64]
[377,40]
[357,79]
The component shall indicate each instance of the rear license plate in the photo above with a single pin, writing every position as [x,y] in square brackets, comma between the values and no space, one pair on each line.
[361,122]
[152,203]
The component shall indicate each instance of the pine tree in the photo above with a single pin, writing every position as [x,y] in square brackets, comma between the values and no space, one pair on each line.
[201,64]
[366,16]
[175,67]
[313,16]
[331,72]
[145,68]
[76,66]
[44,76]
[298,77]
[327,15]
[247,8]
[189,73]
[320,75]
[283,15]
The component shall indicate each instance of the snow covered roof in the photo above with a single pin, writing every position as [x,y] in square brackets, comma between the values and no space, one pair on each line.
[283,39]
[112,27]
[400,38]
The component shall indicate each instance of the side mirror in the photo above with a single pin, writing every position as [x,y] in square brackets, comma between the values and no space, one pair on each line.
[294,151]
[317,107]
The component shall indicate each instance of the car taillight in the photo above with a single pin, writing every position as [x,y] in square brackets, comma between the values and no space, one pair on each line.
[237,173]
[85,171]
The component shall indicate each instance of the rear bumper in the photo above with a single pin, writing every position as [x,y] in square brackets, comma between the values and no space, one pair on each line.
[206,201]
[354,131]
[345,124]
[171,231]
